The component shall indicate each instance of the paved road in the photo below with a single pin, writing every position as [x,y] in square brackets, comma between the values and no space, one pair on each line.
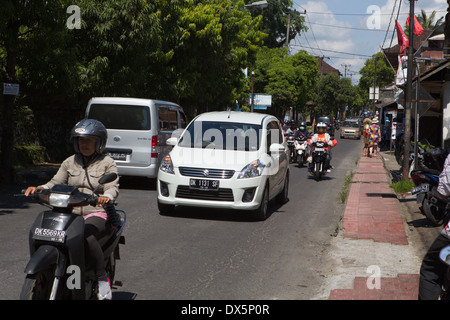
[208,254]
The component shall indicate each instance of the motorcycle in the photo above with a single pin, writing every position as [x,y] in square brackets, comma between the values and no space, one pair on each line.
[319,159]
[444,256]
[290,139]
[433,206]
[301,147]
[57,268]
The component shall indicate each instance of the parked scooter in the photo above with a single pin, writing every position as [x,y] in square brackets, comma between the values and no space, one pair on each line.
[444,256]
[57,268]
[318,159]
[433,206]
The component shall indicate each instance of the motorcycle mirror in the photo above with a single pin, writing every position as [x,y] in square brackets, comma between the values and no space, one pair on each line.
[109,177]
[444,255]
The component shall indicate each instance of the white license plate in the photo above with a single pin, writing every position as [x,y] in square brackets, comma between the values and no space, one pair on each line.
[118,156]
[49,235]
[203,184]
[425,187]
[319,149]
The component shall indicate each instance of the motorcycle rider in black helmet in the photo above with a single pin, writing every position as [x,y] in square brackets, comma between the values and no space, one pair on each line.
[302,131]
[83,170]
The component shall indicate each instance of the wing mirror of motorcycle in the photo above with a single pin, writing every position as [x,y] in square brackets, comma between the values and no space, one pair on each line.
[444,255]
[109,177]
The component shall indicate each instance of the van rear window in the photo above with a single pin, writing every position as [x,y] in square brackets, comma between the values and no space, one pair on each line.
[121,117]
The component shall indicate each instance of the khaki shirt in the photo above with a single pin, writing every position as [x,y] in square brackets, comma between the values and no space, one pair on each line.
[73,173]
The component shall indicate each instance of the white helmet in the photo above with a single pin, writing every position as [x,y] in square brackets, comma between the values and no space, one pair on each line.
[321,125]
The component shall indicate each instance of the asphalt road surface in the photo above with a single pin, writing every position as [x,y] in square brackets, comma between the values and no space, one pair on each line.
[202,254]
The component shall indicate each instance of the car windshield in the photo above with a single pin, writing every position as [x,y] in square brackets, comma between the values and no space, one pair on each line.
[324,119]
[221,135]
[353,124]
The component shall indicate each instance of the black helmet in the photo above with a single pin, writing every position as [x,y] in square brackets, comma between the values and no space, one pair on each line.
[89,127]
[302,125]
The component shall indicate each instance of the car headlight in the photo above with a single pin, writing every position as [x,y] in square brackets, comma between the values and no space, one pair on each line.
[167,165]
[253,169]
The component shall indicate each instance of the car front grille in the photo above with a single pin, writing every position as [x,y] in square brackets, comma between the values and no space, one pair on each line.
[206,173]
[223,194]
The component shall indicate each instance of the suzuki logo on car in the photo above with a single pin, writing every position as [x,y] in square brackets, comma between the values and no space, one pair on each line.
[206,172]
[116,138]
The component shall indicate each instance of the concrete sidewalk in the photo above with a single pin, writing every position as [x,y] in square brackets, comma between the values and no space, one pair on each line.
[374,237]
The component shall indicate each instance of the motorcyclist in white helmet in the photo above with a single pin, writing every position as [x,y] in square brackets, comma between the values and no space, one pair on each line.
[322,135]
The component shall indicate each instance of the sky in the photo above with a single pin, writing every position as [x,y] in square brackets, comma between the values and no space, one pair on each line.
[348,32]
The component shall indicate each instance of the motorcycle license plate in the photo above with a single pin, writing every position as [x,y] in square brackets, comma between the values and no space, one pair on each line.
[203,184]
[319,149]
[49,235]
[421,188]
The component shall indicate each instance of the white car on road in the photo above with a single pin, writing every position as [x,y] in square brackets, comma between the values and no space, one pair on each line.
[226,159]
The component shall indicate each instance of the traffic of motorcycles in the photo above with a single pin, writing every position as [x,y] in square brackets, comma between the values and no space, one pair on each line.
[314,156]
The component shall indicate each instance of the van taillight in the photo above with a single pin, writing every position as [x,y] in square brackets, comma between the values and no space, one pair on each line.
[154,145]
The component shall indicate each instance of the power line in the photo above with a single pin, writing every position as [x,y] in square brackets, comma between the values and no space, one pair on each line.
[343,27]
[390,20]
[364,14]
[341,52]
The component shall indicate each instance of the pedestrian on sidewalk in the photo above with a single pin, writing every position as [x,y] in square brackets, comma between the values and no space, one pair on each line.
[374,137]
[366,133]
[433,270]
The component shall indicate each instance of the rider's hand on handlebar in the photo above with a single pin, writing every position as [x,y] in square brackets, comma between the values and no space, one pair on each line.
[102,200]
[31,190]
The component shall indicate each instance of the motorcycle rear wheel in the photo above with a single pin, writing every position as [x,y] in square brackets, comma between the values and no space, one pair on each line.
[435,216]
[317,171]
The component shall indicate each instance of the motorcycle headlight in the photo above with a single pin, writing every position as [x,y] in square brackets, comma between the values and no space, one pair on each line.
[59,200]
[167,165]
[253,169]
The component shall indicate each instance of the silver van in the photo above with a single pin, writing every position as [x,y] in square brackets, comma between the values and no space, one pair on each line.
[137,131]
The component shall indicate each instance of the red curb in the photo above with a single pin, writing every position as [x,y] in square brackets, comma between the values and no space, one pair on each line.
[402,287]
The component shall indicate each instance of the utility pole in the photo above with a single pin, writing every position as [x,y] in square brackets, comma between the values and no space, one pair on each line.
[288,29]
[345,69]
[407,137]
[374,86]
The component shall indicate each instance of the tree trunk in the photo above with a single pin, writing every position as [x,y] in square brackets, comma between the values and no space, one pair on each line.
[7,146]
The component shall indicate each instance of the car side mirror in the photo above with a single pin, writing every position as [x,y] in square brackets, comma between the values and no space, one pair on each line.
[172,141]
[276,148]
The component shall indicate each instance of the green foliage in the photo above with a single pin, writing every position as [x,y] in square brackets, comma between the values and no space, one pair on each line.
[289,79]
[385,75]
[275,19]
[26,155]
[334,94]
[402,186]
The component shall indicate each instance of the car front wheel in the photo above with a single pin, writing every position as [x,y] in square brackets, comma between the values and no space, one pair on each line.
[282,198]
[260,214]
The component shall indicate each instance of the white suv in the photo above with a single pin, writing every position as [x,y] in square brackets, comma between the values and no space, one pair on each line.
[226,159]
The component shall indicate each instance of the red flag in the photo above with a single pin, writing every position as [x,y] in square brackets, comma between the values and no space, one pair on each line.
[418,29]
[402,39]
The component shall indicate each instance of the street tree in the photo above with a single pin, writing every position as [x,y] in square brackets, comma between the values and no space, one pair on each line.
[290,79]
[384,73]
[275,19]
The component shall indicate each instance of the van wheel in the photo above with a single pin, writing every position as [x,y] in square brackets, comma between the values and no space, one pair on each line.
[165,209]
[260,214]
